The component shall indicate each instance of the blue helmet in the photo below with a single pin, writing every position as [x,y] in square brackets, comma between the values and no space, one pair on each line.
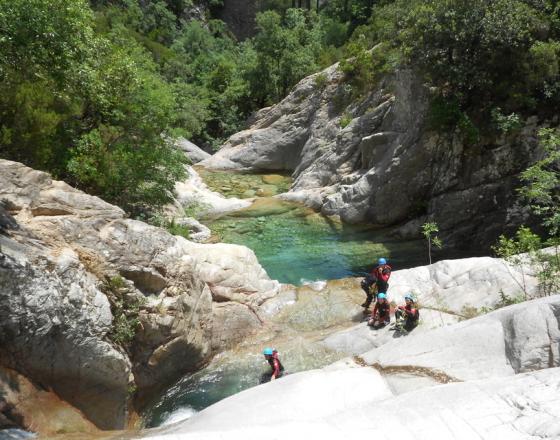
[268,351]
[382,261]
[409,296]
[381,296]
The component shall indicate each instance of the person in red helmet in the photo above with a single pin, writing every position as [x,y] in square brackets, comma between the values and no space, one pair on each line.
[379,276]
[277,369]
[381,315]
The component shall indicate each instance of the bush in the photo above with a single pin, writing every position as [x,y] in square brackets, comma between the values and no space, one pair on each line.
[345,120]
[125,312]
[445,115]
[175,229]
[321,81]
[506,123]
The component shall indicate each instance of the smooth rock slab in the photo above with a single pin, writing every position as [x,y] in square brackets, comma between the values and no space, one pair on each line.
[517,338]
[356,401]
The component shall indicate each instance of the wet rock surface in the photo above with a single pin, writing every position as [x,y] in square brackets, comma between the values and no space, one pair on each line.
[453,382]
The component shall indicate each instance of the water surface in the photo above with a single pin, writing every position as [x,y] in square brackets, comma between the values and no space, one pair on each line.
[295,244]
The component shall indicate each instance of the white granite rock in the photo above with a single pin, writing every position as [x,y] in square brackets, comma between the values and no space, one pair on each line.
[71,253]
[192,151]
[518,338]
[357,402]
[193,194]
[385,166]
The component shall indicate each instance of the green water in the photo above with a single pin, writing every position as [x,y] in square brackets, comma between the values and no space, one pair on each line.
[293,243]
[244,186]
[231,373]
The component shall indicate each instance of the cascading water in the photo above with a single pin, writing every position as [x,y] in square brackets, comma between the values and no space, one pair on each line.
[296,332]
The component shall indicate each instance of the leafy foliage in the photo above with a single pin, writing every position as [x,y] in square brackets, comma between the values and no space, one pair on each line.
[88,91]
[89,108]
[542,191]
[429,231]
[125,311]
[543,182]
[477,55]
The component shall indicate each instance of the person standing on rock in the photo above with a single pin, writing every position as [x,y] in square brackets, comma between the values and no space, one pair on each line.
[277,369]
[381,315]
[379,276]
[407,316]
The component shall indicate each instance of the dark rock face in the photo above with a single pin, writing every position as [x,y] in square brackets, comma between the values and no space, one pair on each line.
[6,219]
[240,17]
[374,159]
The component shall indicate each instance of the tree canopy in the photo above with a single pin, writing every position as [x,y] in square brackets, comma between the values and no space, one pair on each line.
[90,90]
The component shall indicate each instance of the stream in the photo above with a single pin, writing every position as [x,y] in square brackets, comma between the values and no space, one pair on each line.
[298,246]
[295,244]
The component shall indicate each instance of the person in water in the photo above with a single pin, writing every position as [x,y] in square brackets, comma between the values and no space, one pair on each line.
[380,277]
[407,316]
[277,369]
[381,315]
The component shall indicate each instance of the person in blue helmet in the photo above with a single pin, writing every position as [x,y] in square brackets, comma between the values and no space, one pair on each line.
[381,315]
[277,369]
[407,316]
[379,276]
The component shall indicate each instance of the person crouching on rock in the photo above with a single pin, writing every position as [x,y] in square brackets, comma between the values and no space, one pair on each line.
[407,316]
[277,369]
[381,315]
[380,277]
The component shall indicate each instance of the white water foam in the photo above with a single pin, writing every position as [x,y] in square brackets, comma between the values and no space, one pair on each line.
[315,285]
[15,434]
[183,413]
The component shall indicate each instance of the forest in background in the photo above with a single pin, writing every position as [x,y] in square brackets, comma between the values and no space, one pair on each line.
[91,90]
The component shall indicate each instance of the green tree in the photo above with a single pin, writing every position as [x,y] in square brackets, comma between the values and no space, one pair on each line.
[124,157]
[543,192]
[44,47]
[92,109]
[286,50]
[429,231]
[543,182]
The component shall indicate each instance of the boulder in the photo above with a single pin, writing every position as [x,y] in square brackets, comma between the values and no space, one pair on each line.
[62,344]
[519,338]
[114,308]
[193,152]
[455,286]
[195,197]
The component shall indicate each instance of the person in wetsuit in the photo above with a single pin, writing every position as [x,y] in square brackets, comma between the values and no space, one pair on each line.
[379,276]
[407,316]
[277,369]
[381,315]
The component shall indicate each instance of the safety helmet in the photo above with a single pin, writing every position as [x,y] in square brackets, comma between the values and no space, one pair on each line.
[268,351]
[409,296]
[381,296]
[382,261]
